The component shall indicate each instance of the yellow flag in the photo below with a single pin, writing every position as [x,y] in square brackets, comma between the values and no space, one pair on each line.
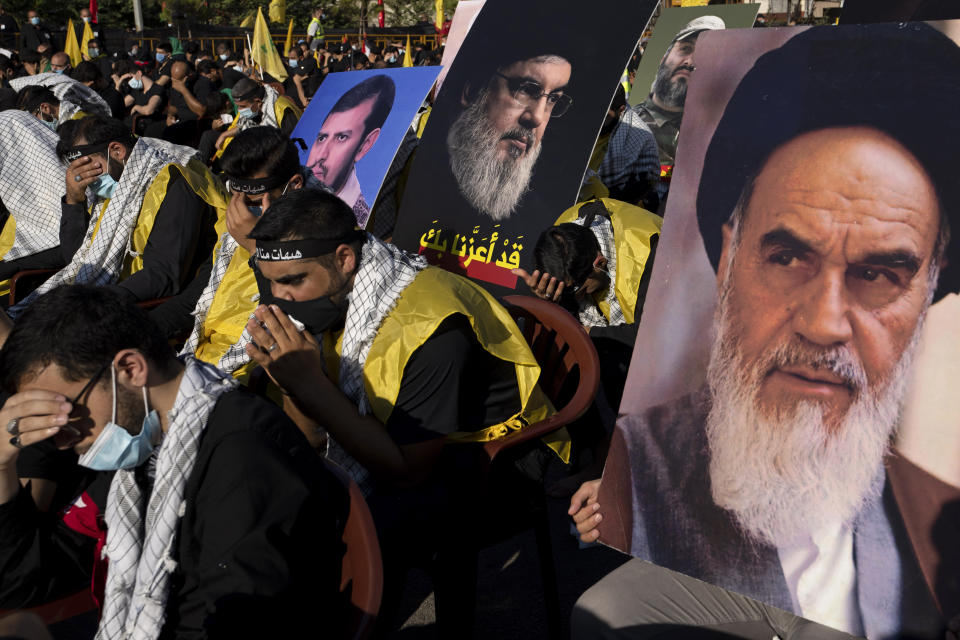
[248,21]
[73,49]
[264,53]
[407,58]
[87,37]
[278,11]
[439,19]
[289,43]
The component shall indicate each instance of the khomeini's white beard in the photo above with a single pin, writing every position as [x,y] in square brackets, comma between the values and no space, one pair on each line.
[781,473]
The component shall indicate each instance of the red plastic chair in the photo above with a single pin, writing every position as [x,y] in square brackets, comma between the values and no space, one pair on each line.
[567,359]
[62,609]
[362,568]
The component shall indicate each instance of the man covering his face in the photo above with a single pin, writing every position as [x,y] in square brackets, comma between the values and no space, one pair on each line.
[349,131]
[495,142]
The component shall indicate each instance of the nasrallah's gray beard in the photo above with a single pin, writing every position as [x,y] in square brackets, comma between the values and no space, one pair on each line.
[492,185]
[784,474]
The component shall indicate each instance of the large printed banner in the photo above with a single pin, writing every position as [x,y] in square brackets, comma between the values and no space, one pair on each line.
[790,427]
[510,134]
[354,126]
[867,11]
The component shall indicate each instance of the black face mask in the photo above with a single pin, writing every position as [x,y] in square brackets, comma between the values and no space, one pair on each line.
[318,315]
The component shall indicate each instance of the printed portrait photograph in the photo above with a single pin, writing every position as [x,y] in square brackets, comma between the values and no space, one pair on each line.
[508,140]
[788,430]
[354,126]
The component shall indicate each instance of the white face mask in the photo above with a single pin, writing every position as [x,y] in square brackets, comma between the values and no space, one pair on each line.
[115,448]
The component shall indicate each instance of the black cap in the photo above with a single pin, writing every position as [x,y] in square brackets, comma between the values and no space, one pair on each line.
[900,79]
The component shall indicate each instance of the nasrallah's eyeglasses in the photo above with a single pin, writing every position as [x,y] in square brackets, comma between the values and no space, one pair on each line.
[528,94]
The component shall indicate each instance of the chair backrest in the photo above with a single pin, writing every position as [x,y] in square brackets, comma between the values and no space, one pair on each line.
[566,356]
[64,608]
[362,569]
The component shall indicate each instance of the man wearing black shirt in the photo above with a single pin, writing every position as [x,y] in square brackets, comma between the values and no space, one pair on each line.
[33,33]
[246,538]
[8,30]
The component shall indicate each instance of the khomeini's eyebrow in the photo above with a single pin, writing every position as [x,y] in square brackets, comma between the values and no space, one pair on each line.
[894,259]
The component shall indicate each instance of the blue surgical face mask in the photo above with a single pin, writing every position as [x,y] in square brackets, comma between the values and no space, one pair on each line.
[293,62]
[255,210]
[135,83]
[52,124]
[115,448]
[223,56]
[35,20]
[93,52]
[238,68]
[161,57]
[246,112]
[104,185]
[59,71]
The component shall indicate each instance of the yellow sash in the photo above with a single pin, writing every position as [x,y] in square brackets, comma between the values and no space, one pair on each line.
[633,227]
[433,296]
[203,183]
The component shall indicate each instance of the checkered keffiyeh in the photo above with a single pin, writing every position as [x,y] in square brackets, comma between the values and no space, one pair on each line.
[73,95]
[31,183]
[100,258]
[269,116]
[590,314]
[141,529]
[385,271]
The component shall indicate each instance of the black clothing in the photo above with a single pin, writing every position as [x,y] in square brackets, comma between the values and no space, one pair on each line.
[258,548]
[48,259]
[141,98]
[200,89]
[452,384]
[114,100]
[8,29]
[230,77]
[32,36]
[168,257]
[174,316]
[289,122]
[163,69]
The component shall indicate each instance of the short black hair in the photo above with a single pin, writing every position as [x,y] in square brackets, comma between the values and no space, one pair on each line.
[307,214]
[567,252]
[95,129]
[80,329]
[164,46]
[247,89]
[30,56]
[86,71]
[206,66]
[261,149]
[31,97]
[381,88]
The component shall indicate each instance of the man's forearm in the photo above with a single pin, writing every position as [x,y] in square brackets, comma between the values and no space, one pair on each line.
[9,484]
[192,103]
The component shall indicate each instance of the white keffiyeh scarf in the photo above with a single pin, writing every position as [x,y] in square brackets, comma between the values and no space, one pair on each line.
[100,258]
[268,117]
[31,183]
[141,529]
[73,95]
[385,271]
[590,314]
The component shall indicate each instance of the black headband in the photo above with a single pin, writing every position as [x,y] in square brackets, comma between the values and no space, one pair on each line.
[254,186]
[253,94]
[301,249]
[73,153]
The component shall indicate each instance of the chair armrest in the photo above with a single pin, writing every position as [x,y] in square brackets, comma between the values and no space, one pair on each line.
[23,275]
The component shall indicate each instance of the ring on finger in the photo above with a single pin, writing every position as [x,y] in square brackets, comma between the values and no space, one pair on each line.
[272,347]
[15,441]
[13,427]
[77,178]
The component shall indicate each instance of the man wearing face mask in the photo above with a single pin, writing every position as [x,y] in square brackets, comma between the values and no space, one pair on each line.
[148,228]
[163,56]
[42,104]
[33,33]
[205,550]
[416,364]
[76,99]
[261,164]
[257,105]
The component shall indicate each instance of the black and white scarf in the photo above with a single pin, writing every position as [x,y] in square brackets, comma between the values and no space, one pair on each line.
[73,95]
[141,529]
[31,183]
[99,259]
[590,314]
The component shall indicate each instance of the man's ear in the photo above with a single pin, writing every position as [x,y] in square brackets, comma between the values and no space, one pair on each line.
[296,182]
[367,143]
[727,233]
[132,368]
[117,151]
[465,96]
[346,258]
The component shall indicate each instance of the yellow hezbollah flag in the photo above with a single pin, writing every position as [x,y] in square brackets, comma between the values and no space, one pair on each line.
[439,19]
[278,11]
[289,43]
[72,49]
[248,21]
[407,59]
[264,53]
[87,37]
